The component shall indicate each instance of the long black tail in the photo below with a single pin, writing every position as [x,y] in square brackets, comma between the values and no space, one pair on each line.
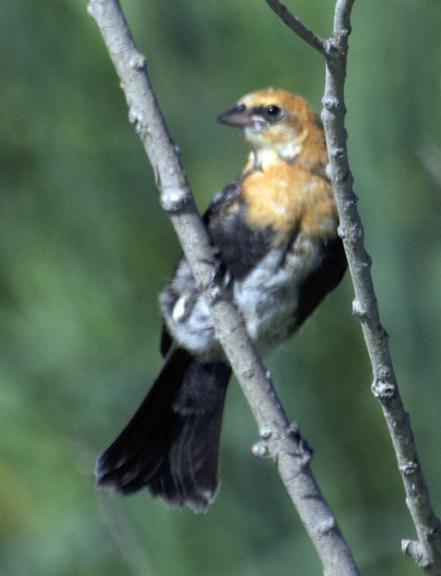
[171,443]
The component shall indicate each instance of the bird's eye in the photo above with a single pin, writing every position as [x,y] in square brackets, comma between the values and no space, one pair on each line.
[273,112]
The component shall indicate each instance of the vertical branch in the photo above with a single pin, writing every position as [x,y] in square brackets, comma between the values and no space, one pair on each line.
[427,550]
[280,440]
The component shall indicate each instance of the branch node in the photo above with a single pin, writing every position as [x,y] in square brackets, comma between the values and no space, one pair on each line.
[341,178]
[341,232]
[333,51]
[384,373]
[265,432]
[136,117]
[340,40]
[137,61]
[302,449]
[329,170]
[366,262]
[326,526]
[383,390]
[338,153]
[261,451]
[331,104]
[345,32]
[174,198]
[351,202]
[337,46]
[409,467]
[415,550]
[293,429]
[383,386]
[359,311]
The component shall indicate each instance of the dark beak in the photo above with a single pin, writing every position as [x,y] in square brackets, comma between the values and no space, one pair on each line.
[238,117]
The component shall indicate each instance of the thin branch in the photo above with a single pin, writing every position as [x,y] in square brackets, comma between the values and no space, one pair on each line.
[297,26]
[426,552]
[280,440]
[365,305]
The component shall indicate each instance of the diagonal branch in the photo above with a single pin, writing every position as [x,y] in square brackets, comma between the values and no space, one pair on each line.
[280,440]
[427,550]
[297,26]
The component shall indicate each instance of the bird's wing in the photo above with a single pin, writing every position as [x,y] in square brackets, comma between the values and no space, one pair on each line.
[323,279]
[238,246]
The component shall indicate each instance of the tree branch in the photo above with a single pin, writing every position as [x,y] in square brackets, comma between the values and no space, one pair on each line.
[280,440]
[427,551]
[297,26]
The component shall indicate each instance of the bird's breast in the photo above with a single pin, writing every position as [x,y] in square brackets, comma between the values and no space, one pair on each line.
[286,195]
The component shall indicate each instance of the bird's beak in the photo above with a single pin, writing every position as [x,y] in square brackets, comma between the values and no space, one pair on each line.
[238,117]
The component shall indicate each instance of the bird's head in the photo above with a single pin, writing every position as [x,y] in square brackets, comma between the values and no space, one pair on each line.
[275,123]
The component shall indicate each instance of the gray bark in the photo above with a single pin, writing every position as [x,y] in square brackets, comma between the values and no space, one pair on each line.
[280,440]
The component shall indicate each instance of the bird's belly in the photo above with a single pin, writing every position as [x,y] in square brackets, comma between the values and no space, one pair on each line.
[267,298]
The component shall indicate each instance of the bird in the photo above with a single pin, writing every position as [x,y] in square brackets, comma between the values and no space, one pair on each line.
[274,232]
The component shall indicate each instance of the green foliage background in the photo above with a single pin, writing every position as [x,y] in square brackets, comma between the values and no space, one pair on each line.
[85,249]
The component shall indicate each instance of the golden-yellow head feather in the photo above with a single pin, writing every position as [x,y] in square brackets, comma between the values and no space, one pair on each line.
[277,123]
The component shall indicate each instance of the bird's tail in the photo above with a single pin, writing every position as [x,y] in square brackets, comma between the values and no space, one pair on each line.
[171,443]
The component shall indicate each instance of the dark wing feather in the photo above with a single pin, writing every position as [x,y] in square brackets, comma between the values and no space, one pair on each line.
[238,246]
[323,280]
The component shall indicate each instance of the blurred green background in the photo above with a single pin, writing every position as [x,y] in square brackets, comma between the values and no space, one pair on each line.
[85,250]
